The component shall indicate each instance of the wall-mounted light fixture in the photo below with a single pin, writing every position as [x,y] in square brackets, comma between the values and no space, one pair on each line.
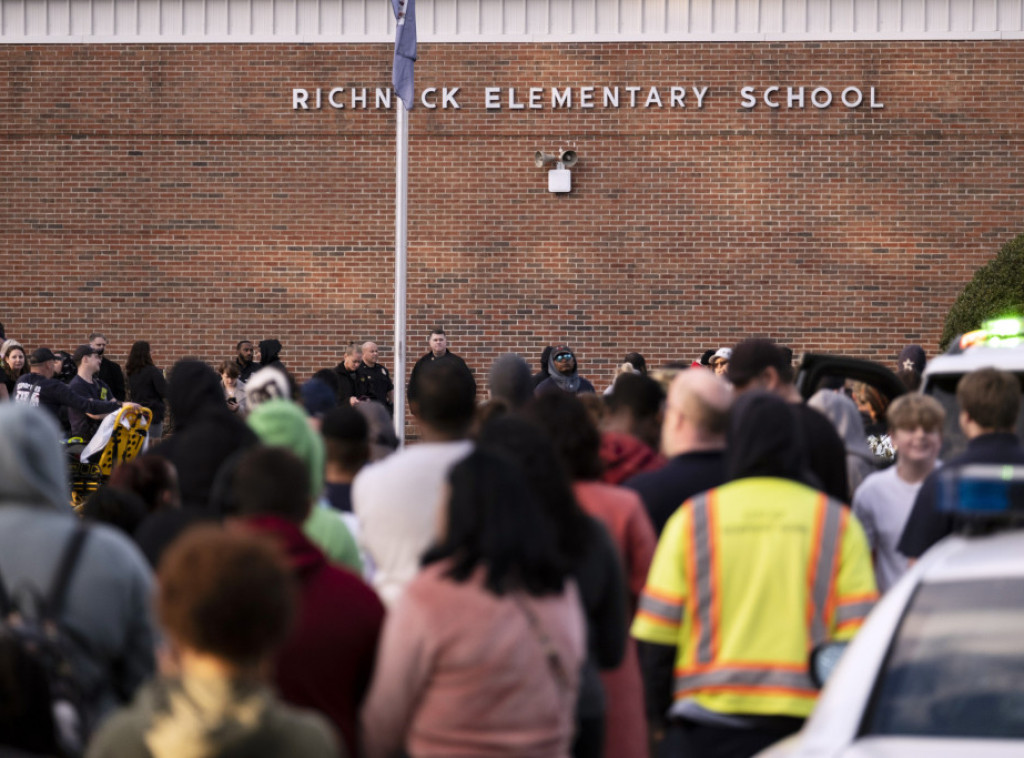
[559,178]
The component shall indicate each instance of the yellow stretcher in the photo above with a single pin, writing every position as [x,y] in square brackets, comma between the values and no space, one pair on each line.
[120,438]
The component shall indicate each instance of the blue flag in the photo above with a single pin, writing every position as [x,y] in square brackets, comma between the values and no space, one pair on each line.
[405,51]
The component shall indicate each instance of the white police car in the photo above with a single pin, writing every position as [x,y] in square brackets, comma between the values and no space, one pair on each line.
[998,344]
[937,669]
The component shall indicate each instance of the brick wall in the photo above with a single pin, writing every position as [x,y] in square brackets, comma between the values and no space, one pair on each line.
[171,193]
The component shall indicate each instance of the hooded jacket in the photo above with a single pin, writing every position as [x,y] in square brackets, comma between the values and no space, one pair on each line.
[206,433]
[843,413]
[108,603]
[284,424]
[572,383]
[327,661]
[764,439]
[270,350]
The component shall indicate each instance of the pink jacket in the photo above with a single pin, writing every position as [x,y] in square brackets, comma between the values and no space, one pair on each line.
[460,672]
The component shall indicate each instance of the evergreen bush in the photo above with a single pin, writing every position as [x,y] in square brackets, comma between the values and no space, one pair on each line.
[997,289]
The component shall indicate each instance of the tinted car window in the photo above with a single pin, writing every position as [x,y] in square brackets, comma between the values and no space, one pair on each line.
[956,665]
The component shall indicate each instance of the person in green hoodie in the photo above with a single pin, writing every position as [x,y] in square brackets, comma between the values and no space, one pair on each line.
[282,423]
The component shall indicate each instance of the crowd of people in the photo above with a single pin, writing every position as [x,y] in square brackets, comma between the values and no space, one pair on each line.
[559,571]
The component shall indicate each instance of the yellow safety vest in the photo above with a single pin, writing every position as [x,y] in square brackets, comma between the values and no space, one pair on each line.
[747,578]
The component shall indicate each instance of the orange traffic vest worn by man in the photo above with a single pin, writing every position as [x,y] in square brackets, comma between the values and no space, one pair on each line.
[746,580]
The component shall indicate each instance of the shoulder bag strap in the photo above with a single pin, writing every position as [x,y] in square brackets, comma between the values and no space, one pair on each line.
[554,661]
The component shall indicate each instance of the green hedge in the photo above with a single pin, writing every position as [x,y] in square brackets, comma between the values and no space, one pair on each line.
[997,289]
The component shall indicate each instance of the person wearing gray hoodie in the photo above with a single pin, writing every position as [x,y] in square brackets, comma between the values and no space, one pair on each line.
[107,609]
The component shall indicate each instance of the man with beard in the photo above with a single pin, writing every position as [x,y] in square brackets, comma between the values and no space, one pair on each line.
[110,373]
[243,359]
[563,374]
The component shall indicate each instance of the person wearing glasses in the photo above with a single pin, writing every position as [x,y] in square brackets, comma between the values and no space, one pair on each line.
[563,374]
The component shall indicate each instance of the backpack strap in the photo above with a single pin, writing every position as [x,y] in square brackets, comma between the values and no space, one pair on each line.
[61,580]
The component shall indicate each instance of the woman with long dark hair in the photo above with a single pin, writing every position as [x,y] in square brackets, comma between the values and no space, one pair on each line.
[147,386]
[481,655]
[596,566]
[12,365]
[576,441]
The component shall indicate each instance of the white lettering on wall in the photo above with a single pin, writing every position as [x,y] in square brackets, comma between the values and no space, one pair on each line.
[775,97]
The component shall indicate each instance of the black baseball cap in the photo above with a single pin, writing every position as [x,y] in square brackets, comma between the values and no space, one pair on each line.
[41,355]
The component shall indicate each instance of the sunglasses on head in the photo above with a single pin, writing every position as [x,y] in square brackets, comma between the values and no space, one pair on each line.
[563,357]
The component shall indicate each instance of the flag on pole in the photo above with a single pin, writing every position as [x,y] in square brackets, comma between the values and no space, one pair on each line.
[405,50]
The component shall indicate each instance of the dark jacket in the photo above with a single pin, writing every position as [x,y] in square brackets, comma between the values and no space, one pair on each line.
[926,525]
[206,433]
[351,383]
[113,377]
[684,476]
[602,585]
[328,659]
[269,352]
[83,425]
[448,357]
[53,394]
[379,384]
[149,389]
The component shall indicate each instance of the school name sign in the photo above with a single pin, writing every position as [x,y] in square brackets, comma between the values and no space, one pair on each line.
[782,97]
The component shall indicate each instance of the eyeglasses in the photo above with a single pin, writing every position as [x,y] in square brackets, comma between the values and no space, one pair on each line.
[563,357]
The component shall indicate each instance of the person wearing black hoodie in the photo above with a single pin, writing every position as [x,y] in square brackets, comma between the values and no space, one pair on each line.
[270,352]
[206,432]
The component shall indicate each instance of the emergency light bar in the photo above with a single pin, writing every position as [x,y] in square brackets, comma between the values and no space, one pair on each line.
[1000,332]
[982,491]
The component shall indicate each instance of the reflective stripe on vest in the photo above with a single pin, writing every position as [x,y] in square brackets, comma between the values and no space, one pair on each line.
[830,520]
[766,677]
[824,564]
[660,609]
[703,580]
[853,610]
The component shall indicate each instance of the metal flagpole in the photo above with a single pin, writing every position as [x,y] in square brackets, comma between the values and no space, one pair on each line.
[401,239]
[402,81]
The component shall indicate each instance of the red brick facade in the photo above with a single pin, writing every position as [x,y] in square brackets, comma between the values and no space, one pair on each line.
[171,193]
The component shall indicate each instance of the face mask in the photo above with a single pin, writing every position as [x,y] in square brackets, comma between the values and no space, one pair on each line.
[99,351]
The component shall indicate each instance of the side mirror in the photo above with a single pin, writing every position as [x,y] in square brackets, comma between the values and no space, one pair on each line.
[824,658]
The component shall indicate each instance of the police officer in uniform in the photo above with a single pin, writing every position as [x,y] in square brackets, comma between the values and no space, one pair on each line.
[379,384]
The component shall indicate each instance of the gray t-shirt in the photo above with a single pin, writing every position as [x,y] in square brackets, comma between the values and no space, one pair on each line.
[882,504]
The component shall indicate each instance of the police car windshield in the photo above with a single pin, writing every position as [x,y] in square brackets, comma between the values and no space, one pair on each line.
[956,664]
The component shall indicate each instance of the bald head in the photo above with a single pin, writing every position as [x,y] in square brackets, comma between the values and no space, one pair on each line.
[697,413]
[370,354]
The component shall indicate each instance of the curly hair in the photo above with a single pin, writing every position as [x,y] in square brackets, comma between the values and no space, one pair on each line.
[227,594]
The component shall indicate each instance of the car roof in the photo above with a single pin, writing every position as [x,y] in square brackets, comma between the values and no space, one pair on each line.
[992,556]
[1005,358]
